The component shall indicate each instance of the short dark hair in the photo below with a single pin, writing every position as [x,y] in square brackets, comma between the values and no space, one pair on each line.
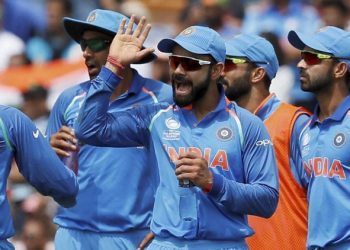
[35,92]
[338,4]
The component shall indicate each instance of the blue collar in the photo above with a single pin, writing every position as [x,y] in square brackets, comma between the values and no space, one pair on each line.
[267,107]
[338,114]
[137,83]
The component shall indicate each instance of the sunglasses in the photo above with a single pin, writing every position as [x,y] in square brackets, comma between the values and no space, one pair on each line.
[231,62]
[313,58]
[187,63]
[95,45]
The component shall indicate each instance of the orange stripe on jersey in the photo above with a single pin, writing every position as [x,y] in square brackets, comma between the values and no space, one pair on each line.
[287,228]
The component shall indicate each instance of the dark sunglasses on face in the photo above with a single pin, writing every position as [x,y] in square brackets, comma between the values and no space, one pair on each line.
[187,63]
[231,62]
[95,45]
[313,58]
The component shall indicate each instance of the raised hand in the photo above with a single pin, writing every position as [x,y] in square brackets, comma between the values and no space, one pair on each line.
[126,47]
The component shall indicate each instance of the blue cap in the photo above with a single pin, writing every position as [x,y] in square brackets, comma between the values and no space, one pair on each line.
[256,49]
[328,39]
[199,40]
[104,21]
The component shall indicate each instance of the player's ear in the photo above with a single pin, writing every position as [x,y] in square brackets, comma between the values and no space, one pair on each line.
[258,74]
[217,70]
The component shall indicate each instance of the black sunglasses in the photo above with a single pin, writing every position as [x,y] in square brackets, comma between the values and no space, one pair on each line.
[95,45]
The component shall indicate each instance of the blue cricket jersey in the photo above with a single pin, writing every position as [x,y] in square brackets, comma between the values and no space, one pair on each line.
[233,141]
[325,150]
[116,185]
[295,160]
[21,140]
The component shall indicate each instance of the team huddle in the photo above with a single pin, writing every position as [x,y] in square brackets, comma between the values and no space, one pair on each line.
[214,161]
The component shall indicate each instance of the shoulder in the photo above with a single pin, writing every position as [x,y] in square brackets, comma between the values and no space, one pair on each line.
[66,97]
[13,118]
[161,90]
[246,117]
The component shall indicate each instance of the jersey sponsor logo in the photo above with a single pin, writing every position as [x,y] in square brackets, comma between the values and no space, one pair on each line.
[36,134]
[224,134]
[171,123]
[322,167]
[265,142]
[339,140]
[214,159]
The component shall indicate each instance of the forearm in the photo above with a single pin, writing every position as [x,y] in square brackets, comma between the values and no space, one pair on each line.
[253,199]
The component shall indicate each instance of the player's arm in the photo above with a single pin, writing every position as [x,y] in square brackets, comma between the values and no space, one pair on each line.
[96,126]
[258,195]
[296,161]
[38,163]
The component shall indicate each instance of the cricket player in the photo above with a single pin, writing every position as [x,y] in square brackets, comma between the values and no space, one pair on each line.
[324,142]
[215,160]
[22,141]
[251,63]
[117,185]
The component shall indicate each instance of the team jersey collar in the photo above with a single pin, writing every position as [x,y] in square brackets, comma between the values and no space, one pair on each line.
[267,107]
[137,83]
[338,115]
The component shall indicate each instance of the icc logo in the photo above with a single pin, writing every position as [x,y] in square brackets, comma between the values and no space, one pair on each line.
[172,123]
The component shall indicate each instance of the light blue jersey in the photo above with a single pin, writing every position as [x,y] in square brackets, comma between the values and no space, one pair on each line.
[325,148]
[22,141]
[234,142]
[117,185]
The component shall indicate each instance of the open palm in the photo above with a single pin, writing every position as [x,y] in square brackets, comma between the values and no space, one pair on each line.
[127,44]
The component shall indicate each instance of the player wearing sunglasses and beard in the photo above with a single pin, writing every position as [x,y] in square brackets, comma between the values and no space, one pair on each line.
[251,63]
[324,142]
[117,185]
[215,160]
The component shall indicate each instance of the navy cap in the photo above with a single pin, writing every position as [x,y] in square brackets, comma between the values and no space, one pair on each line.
[199,40]
[328,39]
[104,21]
[256,49]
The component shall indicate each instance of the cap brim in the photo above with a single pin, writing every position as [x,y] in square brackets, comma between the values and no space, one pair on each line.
[75,29]
[300,41]
[167,46]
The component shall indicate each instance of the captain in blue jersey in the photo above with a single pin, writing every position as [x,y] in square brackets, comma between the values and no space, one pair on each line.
[324,142]
[221,152]
[21,141]
[117,185]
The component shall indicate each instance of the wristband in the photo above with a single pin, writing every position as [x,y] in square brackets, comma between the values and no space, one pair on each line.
[112,60]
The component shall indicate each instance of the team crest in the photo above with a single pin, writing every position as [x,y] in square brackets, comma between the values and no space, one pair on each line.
[188,31]
[224,134]
[339,140]
[91,17]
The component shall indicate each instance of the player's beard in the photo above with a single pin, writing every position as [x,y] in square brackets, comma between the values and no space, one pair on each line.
[239,88]
[197,91]
[317,83]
